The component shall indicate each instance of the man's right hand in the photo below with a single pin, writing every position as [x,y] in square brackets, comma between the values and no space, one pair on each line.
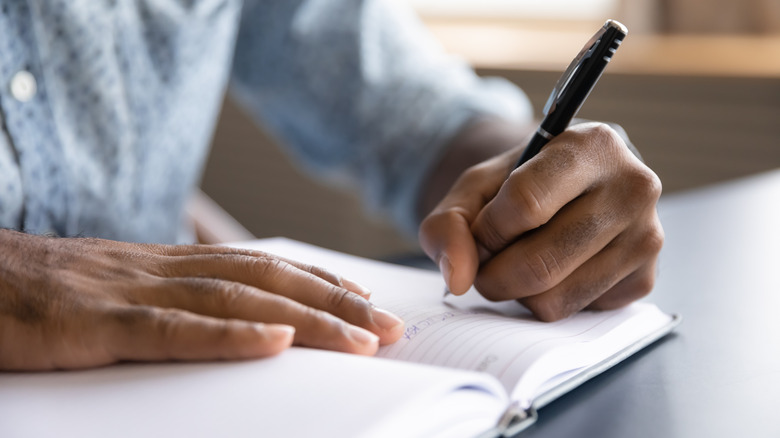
[76,303]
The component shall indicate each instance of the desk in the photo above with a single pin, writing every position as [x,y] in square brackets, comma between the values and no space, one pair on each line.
[719,374]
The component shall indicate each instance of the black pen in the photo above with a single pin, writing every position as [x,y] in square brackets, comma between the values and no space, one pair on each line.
[575,85]
[573,88]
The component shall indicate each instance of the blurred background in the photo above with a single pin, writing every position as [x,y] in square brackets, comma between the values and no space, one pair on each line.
[696,85]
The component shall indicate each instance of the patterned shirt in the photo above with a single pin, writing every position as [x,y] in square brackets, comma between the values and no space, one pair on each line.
[107,106]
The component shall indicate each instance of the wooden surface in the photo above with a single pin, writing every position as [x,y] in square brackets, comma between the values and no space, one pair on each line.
[518,45]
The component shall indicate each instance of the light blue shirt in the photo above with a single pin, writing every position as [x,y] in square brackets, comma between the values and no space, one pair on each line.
[108,106]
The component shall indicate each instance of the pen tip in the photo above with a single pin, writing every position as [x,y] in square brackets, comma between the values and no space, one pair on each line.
[446,291]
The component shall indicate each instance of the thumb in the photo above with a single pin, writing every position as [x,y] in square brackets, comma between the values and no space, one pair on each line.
[446,238]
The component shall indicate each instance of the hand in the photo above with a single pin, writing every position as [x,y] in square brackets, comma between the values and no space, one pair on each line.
[75,303]
[574,227]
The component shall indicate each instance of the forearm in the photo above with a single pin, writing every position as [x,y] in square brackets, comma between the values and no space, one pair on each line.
[476,142]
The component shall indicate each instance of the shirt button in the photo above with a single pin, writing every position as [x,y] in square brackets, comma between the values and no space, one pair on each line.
[23,86]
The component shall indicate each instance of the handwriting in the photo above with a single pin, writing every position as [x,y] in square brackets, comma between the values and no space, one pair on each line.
[489,359]
[415,329]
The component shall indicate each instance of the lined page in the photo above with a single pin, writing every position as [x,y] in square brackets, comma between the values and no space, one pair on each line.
[504,346]
[469,332]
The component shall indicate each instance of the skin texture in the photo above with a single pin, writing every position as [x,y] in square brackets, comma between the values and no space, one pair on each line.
[575,227]
[77,303]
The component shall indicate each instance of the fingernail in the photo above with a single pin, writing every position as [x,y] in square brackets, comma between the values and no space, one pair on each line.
[384,319]
[446,268]
[362,336]
[355,287]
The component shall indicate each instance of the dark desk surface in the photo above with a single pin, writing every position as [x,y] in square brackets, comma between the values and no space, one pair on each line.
[719,374]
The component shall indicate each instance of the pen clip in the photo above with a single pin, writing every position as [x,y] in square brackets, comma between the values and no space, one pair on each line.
[571,70]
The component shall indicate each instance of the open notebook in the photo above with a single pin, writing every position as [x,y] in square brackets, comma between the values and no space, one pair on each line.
[464,367]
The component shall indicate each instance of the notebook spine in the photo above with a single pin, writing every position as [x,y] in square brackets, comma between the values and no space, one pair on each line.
[514,420]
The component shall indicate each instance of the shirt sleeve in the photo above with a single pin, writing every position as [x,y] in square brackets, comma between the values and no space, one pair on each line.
[359,90]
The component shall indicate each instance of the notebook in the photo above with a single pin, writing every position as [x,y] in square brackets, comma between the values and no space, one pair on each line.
[463,367]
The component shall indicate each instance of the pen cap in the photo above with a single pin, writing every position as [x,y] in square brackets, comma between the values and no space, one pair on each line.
[581,76]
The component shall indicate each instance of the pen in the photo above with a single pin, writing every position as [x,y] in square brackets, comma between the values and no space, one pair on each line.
[575,85]
[573,88]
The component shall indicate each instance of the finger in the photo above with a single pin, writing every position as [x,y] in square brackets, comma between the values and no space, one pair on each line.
[541,260]
[447,239]
[645,245]
[191,250]
[637,285]
[275,275]
[445,234]
[566,168]
[232,300]
[149,333]
[621,273]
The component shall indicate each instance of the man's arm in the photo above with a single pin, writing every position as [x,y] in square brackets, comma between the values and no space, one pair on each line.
[380,106]
[76,303]
[575,227]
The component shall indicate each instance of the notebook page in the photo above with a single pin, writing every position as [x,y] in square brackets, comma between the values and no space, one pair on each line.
[467,332]
[299,393]
[506,346]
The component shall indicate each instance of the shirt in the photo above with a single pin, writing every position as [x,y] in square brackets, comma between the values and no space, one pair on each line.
[108,106]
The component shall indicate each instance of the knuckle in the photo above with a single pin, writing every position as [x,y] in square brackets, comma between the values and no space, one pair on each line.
[602,134]
[132,317]
[545,307]
[162,324]
[652,240]
[222,333]
[348,304]
[644,184]
[228,295]
[437,220]
[472,177]
[541,270]
[489,235]
[528,200]
[638,284]
[597,136]
[531,274]
[644,285]
[641,287]
[476,173]
[165,322]
[337,298]
[204,288]
[484,177]
[603,141]
[324,274]
[267,267]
